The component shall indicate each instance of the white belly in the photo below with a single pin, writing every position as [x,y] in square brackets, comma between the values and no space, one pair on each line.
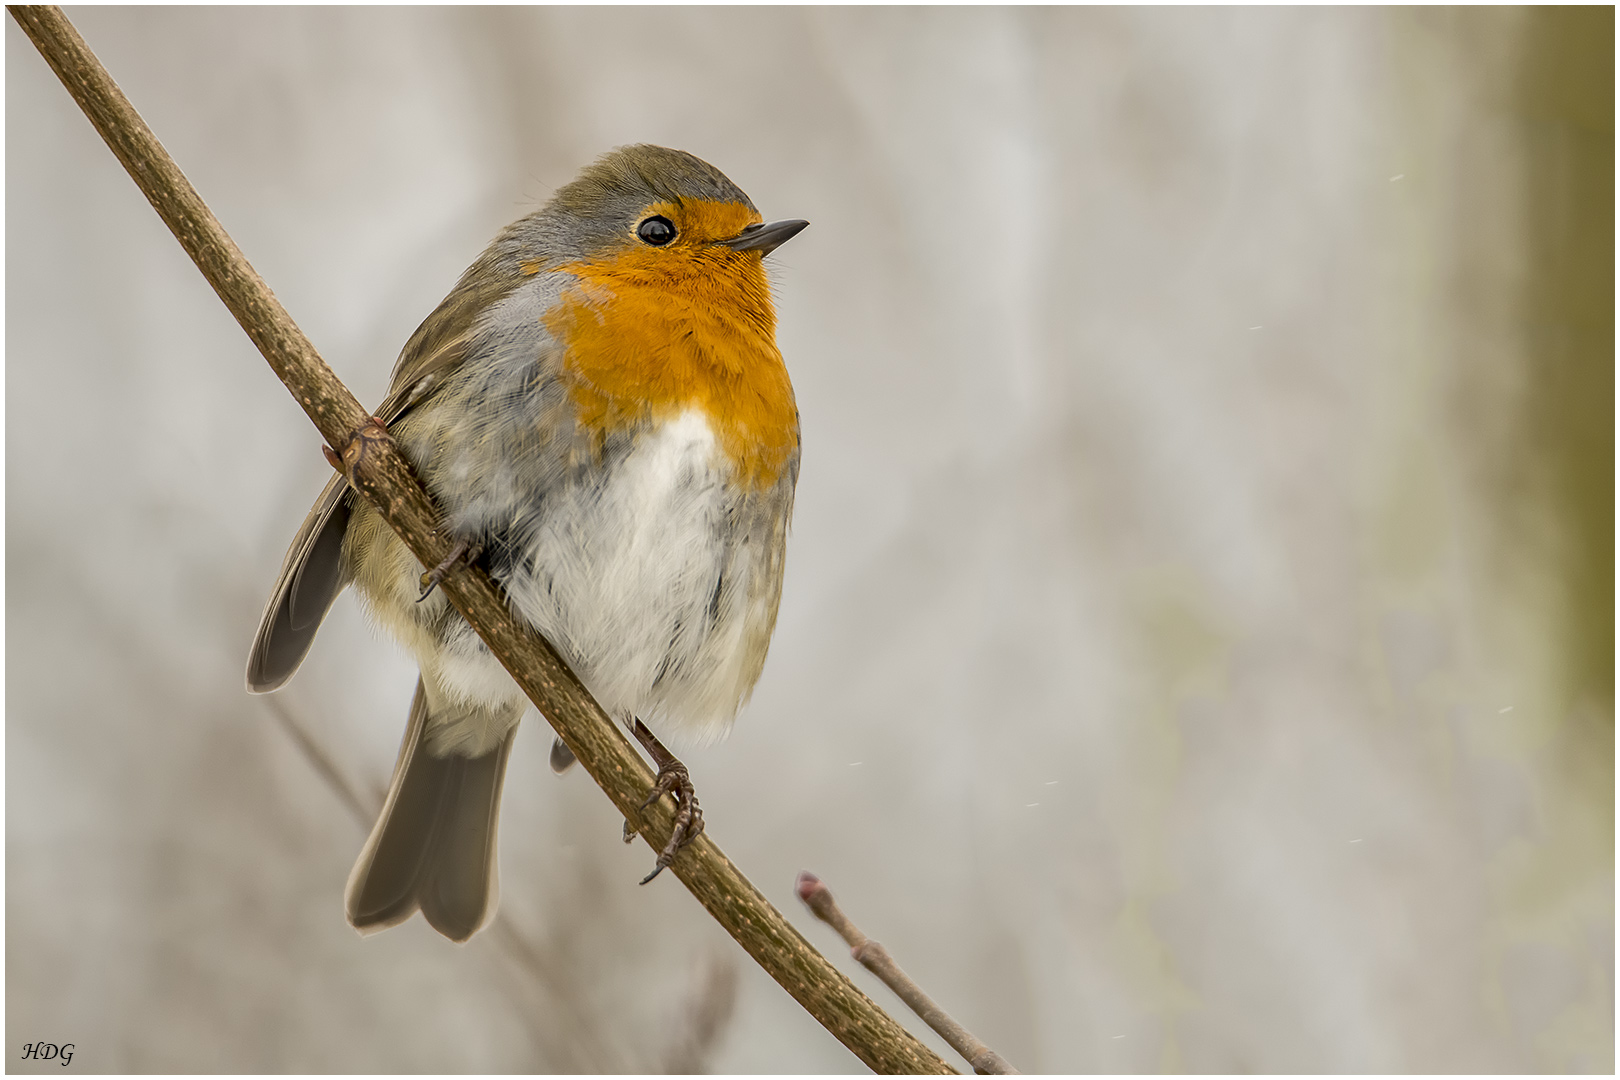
[651,587]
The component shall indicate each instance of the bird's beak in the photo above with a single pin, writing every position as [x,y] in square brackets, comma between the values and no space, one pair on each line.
[765,238]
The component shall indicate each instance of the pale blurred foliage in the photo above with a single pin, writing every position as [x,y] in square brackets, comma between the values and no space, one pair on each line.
[1193,651]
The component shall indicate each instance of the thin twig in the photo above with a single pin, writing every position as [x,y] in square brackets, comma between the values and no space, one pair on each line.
[324,766]
[381,474]
[876,959]
[516,949]
[704,1019]
[572,1031]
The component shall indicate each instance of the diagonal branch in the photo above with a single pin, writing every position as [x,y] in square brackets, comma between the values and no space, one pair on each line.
[378,471]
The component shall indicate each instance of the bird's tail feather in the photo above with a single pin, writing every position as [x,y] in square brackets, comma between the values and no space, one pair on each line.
[433,847]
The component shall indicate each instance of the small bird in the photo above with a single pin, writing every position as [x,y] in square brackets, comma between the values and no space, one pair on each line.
[600,411]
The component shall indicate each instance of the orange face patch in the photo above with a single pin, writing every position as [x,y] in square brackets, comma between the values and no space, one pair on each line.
[650,332]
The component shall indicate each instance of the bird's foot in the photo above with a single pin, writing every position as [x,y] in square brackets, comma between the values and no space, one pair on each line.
[673,779]
[462,551]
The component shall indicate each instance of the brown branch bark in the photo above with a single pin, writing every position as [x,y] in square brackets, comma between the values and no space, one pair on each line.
[380,473]
[876,959]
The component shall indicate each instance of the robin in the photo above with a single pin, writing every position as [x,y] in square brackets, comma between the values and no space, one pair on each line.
[600,411]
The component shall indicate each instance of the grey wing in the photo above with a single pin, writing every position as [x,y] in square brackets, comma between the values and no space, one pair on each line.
[311,578]
[312,575]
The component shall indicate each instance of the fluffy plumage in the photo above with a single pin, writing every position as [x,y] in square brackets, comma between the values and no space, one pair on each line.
[611,424]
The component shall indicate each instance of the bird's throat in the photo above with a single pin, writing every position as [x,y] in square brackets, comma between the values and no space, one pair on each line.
[646,339]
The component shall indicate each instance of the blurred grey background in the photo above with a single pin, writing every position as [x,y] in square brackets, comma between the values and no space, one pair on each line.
[1197,647]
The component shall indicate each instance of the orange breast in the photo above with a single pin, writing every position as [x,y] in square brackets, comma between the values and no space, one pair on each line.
[652,332]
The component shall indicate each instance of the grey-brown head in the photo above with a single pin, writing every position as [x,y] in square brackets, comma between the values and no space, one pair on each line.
[652,196]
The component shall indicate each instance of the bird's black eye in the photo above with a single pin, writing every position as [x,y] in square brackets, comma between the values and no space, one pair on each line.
[657,231]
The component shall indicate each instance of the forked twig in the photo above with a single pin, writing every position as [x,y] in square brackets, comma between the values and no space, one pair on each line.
[876,959]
